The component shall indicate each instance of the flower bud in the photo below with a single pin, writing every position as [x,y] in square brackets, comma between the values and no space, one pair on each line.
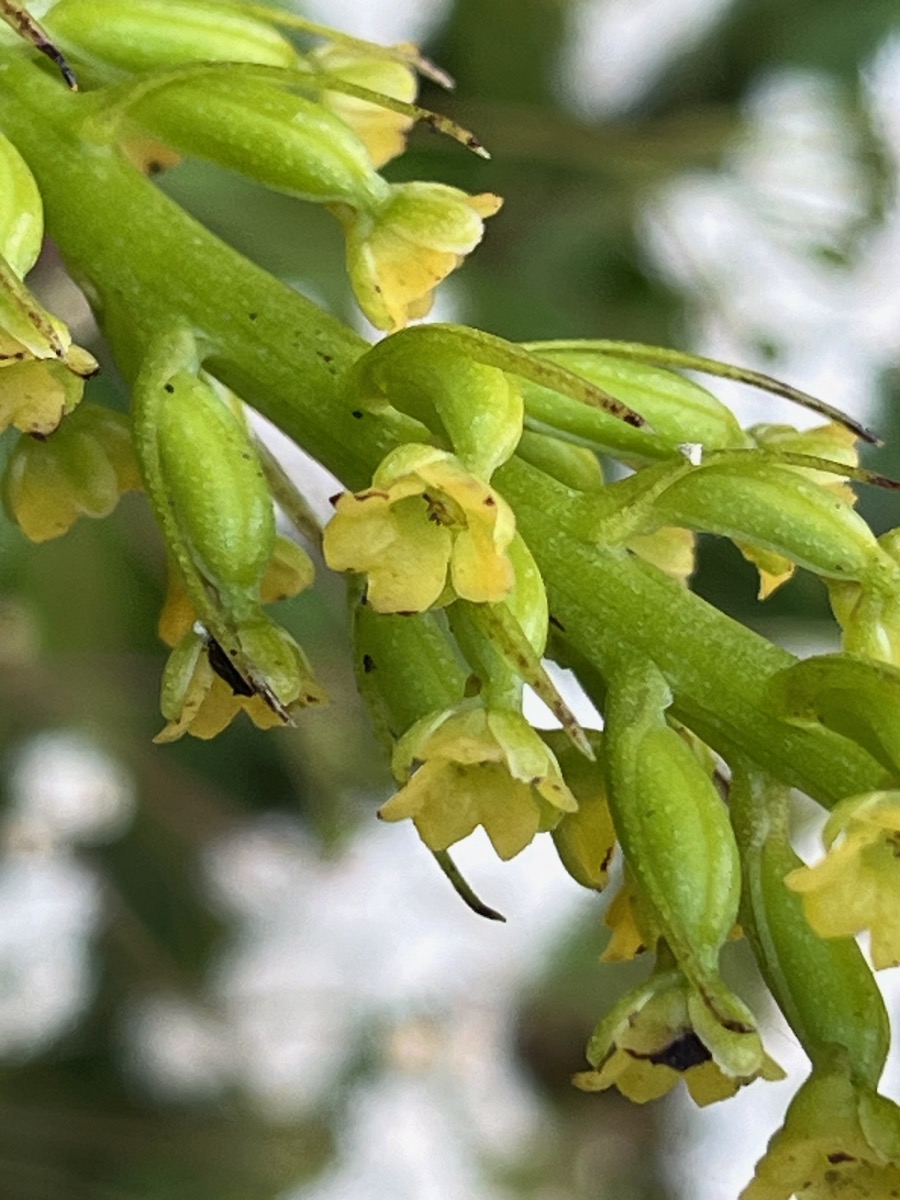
[585,839]
[216,487]
[283,140]
[854,697]
[79,470]
[774,507]
[677,410]
[670,821]
[148,35]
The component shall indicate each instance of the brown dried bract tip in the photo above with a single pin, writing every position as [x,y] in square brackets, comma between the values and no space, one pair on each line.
[27,27]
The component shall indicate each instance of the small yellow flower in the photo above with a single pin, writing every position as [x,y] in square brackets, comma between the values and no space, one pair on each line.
[664,1031]
[81,469]
[839,1141]
[632,927]
[425,532]
[398,252]
[381,129]
[857,884]
[203,690]
[671,549]
[477,766]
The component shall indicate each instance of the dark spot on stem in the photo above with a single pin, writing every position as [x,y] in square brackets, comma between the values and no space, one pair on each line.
[555,621]
[252,316]
[169,388]
[368,663]
[840,1156]
[357,414]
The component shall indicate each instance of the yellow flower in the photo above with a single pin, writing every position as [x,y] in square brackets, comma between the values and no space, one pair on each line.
[471,766]
[203,689]
[425,532]
[399,251]
[381,129]
[81,469]
[671,549]
[857,884]
[664,1031]
[838,1140]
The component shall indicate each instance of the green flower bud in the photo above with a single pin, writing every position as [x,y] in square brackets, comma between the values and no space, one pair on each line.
[216,487]
[79,470]
[671,822]
[823,986]
[676,409]
[283,140]
[774,507]
[477,408]
[575,466]
[146,35]
[21,211]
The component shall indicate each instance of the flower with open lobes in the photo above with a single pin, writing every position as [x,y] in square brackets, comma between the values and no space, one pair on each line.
[857,884]
[426,531]
[470,765]
[664,1031]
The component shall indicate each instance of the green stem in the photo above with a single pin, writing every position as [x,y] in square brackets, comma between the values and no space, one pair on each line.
[145,265]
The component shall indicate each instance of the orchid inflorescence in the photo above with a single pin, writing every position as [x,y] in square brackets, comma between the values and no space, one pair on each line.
[482,534]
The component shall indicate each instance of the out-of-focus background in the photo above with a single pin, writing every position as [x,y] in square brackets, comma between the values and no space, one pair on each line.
[220,978]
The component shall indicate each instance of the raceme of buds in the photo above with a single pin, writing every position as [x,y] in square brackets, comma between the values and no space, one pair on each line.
[81,469]
[216,487]
[146,35]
